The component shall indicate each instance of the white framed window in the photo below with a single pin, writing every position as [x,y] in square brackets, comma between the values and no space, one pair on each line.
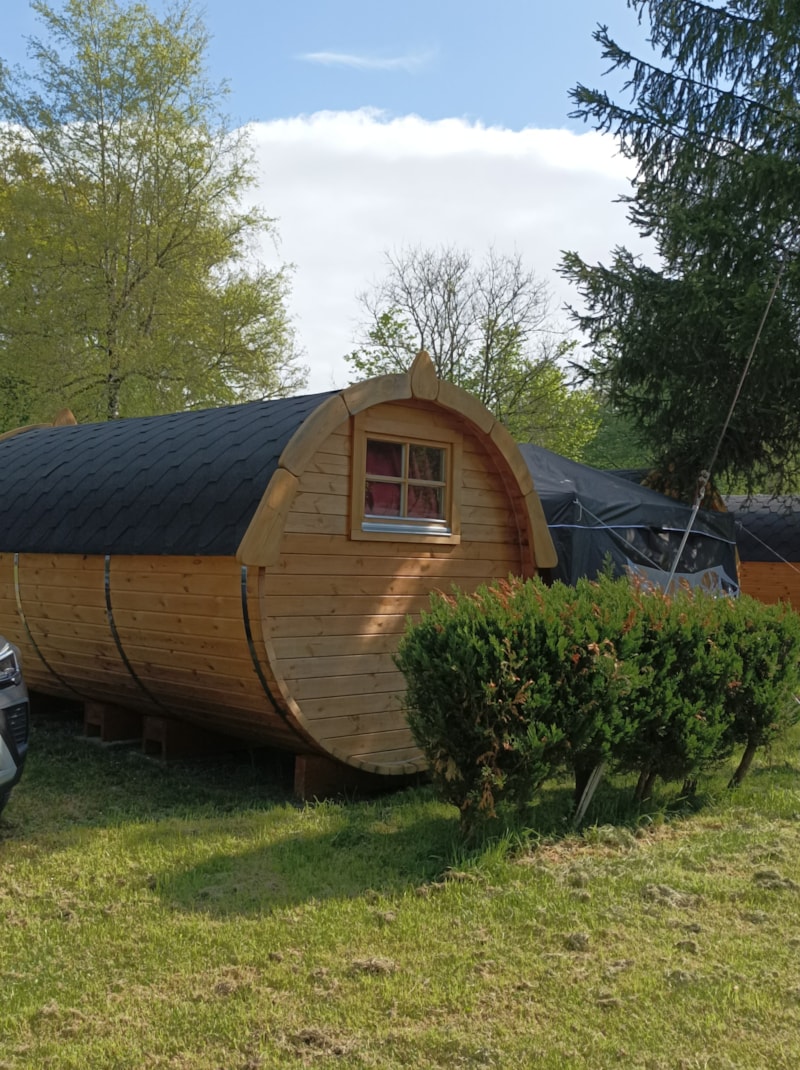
[405,482]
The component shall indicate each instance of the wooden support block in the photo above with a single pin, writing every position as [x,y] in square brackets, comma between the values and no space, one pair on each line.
[318,777]
[169,738]
[111,723]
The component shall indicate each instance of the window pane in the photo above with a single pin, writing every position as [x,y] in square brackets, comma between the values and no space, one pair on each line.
[384,458]
[426,462]
[426,501]
[382,499]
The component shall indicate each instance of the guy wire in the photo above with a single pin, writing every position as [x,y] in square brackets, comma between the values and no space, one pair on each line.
[705,475]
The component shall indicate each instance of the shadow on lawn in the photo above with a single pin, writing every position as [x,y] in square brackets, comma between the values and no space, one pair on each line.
[71,783]
[773,769]
[288,854]
[373,849]
[382,848]
[256,850]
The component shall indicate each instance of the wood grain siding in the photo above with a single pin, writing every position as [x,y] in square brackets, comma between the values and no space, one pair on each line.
[214,565]
[161,605]
[62,629]
[334,608]
[176,644]
[771,582]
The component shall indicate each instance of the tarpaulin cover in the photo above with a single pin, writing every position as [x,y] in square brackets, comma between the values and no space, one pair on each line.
[594,515]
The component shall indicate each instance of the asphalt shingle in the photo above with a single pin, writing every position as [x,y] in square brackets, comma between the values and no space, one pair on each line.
[767,528]
[186,483]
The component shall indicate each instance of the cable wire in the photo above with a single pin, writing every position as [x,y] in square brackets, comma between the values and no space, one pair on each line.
[705,475]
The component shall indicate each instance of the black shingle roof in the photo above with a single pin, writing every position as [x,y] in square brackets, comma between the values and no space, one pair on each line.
[767,528]
[187,483]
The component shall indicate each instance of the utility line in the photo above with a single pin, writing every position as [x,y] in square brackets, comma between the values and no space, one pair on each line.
[705,475]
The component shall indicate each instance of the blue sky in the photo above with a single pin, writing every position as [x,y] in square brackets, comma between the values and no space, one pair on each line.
[380,126]
[508,63]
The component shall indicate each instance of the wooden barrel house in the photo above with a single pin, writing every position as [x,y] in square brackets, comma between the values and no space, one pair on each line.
[249,569]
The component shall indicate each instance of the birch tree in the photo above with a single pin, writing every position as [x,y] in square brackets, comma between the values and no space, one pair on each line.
[129,279]
[488,328]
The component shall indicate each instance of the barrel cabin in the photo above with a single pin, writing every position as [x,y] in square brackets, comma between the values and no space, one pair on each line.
[249,570]
[768,541]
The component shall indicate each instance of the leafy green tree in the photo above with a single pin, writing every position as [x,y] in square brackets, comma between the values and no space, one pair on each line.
[486,328]
[125,253]
[710,124]
[616,444]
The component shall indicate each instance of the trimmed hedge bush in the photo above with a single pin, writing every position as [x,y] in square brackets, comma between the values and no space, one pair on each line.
[482,722]
[680,712]
[761,695]
[520,679]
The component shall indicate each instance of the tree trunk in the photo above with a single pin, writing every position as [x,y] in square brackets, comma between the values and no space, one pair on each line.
[644,786]
[649,784]
[591,784]
[113,384]
[583,774]
[744,764]
[637,791]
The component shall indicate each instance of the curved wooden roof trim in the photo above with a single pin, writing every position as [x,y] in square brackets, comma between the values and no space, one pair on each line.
[261,541]
[311,433]
[362,396]
[457,400]
[467,405]
[543,549]
[260,544]
[21,430]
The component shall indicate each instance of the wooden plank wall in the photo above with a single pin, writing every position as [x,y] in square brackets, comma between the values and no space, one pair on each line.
[771,582]
[180,625]
[334,609]
[65,623]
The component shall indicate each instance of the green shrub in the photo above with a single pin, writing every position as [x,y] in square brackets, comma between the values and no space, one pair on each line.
[478,699]
[507,685]
[682,722]
[594,708]
[761,695]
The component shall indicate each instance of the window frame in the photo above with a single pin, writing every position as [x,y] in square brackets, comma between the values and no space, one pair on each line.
[405,529]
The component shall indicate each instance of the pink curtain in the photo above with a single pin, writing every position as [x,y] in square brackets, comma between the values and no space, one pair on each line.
[385,462]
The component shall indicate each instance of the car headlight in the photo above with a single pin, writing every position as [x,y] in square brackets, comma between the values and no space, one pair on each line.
[9,666]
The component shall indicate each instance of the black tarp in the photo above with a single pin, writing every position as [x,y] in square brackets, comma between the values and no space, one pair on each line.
[594,515]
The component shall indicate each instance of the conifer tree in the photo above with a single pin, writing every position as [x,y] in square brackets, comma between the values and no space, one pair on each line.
[709,122]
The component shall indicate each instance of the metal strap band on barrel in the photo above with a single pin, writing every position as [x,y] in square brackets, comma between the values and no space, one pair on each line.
[118,641]
[32,641]
[254,654]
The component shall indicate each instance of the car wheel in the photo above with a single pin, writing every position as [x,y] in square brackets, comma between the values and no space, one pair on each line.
[4,797]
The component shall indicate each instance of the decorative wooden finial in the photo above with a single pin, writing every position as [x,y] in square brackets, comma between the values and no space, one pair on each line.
[64,418]
[422,375]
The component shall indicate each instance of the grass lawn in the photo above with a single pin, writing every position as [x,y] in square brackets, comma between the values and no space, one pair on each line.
[192,917]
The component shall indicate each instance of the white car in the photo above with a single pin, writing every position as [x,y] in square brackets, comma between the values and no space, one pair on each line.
[14,719]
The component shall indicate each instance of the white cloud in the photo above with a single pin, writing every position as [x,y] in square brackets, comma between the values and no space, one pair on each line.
[348,186]
[410,62]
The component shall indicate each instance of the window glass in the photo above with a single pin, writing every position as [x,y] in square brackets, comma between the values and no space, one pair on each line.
[425,501]
[401,485]
[426,462]
[384,458]
[382,499]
